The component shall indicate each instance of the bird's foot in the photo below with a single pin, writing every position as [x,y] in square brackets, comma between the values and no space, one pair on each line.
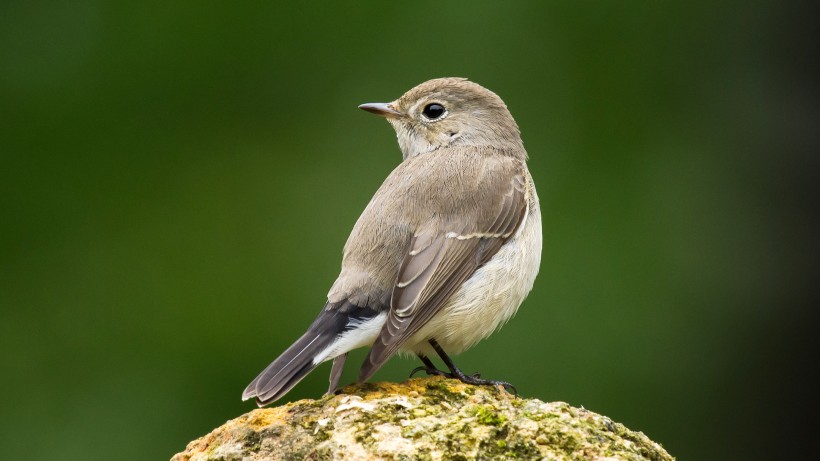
[476,380]
[431,371]
[456,373]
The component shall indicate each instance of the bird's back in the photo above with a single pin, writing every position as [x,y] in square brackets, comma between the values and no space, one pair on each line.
[446,187]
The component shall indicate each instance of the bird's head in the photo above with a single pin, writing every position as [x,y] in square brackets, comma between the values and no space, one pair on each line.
[450,112]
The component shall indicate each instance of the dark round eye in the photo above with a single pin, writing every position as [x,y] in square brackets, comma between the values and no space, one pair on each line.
[433,111]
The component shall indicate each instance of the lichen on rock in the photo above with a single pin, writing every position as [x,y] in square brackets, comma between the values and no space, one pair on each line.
[425,419]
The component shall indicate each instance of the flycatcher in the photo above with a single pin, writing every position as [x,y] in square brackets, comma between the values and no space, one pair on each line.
[443,254]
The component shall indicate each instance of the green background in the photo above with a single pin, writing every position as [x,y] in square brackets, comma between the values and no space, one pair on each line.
[178,179]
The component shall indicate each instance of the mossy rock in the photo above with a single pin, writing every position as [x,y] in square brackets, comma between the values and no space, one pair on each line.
[424,419]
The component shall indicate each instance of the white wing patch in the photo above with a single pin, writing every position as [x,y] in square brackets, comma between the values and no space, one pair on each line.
[363,333]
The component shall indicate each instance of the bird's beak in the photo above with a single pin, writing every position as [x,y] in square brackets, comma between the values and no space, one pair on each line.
[381,108]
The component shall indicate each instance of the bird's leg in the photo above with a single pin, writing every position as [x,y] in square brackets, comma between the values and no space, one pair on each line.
[469,379]
[429,368]
[336,373]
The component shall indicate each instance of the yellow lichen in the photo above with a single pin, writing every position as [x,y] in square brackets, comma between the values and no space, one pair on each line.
[423,418]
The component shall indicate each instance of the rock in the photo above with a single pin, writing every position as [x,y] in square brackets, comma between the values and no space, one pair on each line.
[426,419]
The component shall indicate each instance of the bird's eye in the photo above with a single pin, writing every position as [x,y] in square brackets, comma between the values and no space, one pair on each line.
[433,111]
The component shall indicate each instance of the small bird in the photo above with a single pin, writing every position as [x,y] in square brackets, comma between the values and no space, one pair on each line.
[444,253]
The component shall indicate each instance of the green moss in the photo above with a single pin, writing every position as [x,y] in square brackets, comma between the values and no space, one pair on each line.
[441,416]
[564,441]
[433,410]
[307,422]
[439,390]
[323,433]
[523,449]
[320,453]
[487,415]
[361,437]
[411,432]
[533,416]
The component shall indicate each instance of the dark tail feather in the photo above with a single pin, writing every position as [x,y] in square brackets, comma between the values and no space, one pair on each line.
[297,361]
[287,370]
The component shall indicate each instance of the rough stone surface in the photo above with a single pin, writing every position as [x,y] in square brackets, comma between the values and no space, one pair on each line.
[424,419]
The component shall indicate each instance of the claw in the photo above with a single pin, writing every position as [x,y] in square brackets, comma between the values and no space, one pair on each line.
[430,369]
[416,370]
[430,372]
[508,387]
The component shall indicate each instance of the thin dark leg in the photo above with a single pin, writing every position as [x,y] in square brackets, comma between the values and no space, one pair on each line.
[469,379]
[429,368]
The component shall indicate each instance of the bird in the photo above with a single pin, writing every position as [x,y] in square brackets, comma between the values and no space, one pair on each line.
[443,254]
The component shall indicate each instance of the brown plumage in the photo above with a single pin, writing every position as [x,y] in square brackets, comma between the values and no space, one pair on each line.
[445,251]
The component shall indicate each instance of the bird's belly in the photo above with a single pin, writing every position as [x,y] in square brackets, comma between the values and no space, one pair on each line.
[487,299]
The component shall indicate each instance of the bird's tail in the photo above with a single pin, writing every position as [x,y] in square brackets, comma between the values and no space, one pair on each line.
[305,354]
[287,370]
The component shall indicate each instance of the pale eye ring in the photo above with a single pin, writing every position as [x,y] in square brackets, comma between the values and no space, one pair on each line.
[434,111]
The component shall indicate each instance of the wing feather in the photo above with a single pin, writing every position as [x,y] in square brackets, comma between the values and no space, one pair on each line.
[439,261]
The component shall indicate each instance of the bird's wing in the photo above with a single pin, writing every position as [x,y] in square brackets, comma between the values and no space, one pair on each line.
[440,259]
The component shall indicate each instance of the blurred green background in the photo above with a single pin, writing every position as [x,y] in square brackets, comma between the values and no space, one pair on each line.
[178,179]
